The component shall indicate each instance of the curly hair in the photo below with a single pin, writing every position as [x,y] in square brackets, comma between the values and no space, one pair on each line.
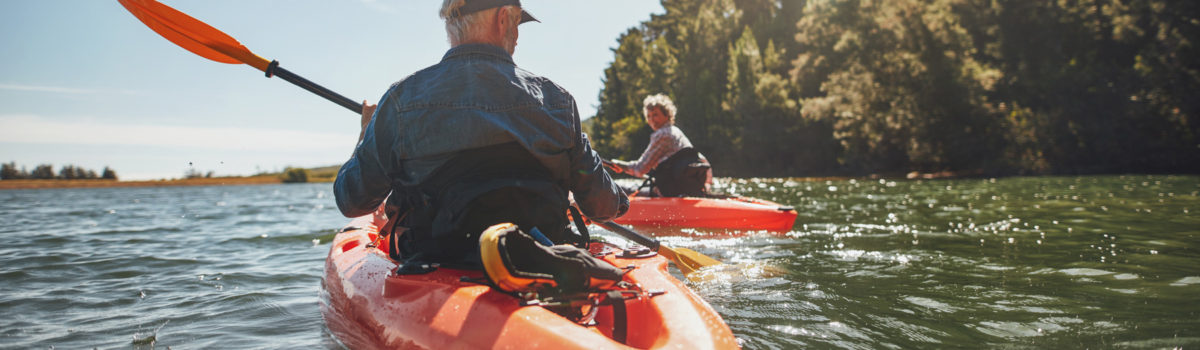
[659,100]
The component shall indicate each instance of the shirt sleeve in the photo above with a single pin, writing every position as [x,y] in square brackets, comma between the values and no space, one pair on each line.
[660,147]
[597,195]
[363,183]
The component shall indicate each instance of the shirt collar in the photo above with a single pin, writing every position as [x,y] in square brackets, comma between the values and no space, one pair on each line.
[479,49]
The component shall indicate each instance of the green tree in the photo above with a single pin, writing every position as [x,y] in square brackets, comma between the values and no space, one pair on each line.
[782,88]
[1166,37]
[771,138]
[43,172]
[109,174]
[701,32]
[1095,86]
[67,172]
[294,175]
[617,117]
[900,84]
[9,171]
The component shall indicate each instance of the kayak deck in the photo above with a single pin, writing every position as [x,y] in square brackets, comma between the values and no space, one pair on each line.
[366,306]
[735,213]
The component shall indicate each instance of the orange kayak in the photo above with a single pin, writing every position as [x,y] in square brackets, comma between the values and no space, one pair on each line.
[366,306]
[735,213]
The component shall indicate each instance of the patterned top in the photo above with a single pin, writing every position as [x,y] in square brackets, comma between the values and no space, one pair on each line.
[664,142]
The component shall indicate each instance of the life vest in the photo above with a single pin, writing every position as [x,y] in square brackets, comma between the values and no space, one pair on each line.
[441,219]
[682,174]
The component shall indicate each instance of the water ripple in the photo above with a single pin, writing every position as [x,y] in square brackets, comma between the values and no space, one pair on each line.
[1050,262]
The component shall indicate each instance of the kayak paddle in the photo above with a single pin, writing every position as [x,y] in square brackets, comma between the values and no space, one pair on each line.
[686,260]
[208,42]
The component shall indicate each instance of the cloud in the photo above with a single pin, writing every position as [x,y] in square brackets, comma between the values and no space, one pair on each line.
[39,130]
[62,90]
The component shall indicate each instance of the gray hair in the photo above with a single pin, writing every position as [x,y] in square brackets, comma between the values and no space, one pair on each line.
[460,29]
[659,100]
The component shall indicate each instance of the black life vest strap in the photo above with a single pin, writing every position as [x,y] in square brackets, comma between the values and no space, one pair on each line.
[648,184]
[681,174]
[581,226]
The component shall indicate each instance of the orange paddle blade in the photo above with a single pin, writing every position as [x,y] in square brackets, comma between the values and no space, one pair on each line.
[192,34]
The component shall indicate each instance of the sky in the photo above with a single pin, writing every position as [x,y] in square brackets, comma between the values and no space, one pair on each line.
[83,82]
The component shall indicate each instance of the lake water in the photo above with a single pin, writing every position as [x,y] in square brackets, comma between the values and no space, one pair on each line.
[1046,262]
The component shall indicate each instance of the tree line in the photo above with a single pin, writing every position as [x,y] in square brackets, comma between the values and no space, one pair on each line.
[837,87]
[10,171]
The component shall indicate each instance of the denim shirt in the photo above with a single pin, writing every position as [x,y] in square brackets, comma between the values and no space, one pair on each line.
[475,97]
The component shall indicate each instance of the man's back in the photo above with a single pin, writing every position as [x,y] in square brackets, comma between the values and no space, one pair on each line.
[475,98]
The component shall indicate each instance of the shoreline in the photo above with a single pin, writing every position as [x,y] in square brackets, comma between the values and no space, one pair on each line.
[97,183]
[269,179]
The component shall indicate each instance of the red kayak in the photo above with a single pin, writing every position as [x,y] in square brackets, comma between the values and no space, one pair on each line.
[734,213]
[367,306]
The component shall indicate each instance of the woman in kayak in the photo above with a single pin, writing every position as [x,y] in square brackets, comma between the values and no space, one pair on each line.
[676,168]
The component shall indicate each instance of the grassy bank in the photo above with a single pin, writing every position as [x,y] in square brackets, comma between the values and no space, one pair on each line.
[322,174]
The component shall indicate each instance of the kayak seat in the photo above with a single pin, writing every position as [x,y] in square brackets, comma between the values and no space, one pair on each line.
[517,261]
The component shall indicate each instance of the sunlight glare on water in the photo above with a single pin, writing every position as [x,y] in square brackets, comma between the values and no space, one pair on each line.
[1041,262]
[1071,262]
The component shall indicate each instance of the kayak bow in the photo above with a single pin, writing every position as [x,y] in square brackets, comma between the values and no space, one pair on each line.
[734,213]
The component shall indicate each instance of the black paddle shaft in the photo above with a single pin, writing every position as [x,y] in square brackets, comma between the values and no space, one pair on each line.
[638,238]
[275,70]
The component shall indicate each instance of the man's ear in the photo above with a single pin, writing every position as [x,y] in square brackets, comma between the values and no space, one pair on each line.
[503,16]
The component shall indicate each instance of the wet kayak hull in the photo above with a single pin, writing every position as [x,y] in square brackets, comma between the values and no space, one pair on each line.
[732,213]
[366,306]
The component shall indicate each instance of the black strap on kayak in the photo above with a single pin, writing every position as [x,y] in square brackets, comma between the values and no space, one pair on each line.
[582,227]
[620,323]
[394,238]
[648,185]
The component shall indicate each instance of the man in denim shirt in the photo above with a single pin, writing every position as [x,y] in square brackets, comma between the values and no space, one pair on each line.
[473,103]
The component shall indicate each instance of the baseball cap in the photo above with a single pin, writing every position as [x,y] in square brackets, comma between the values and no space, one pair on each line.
[473,6]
